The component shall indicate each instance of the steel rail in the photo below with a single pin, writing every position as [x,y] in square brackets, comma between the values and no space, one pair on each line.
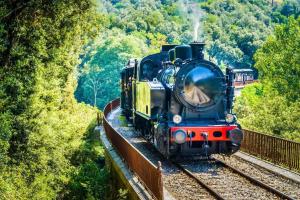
[255,181]
[187,172]
[267,169]
[215,193]
[207,187]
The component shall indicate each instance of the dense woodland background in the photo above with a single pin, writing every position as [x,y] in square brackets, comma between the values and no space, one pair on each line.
[54,54]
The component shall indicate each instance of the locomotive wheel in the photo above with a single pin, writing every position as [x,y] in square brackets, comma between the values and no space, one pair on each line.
[136,122]
[234,148]
[143,131]
[160,145]
[148,131]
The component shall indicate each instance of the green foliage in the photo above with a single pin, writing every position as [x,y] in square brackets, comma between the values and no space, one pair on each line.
[262,110]
[288,8]
[112,52]
[273,105]
[42,125]
[278,60]
[234,30]
[89,180]
[122,194]
[136,28]
[5,134]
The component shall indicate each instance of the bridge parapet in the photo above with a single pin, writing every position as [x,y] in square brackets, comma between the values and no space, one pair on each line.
[147,172]
[274,149]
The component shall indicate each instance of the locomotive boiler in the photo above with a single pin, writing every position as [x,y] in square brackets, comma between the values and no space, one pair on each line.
[181,102]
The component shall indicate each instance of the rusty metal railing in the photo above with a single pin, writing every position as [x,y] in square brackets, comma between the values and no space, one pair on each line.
[147,172]
[271,148]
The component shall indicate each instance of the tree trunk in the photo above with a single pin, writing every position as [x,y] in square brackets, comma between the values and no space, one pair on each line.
[95,97]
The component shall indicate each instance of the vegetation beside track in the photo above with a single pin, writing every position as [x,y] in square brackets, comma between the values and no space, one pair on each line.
[46,150]
[272,106]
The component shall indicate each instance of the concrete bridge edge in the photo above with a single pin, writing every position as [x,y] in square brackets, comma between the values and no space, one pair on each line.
[121,172]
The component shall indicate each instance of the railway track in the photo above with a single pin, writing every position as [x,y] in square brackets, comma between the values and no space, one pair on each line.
[290,187]
[214,191]
[212,179]
[221,192]
[216,194]
[257,182]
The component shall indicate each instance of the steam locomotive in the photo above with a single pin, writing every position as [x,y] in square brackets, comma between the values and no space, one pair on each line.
[181,102]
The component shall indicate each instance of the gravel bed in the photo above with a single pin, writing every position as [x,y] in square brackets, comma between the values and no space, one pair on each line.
[272,179]
[227,183]
[184,187]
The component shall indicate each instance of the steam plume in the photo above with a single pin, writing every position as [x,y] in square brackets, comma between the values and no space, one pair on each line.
[194,14]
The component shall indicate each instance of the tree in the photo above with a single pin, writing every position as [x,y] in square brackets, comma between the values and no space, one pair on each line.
[93,81]
[290,7]
[278,60]
[42,126]
[234,30]
[112,53]
[273,105]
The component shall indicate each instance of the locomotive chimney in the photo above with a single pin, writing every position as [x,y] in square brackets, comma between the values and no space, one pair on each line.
[197,48]
[172,55]
[167,47]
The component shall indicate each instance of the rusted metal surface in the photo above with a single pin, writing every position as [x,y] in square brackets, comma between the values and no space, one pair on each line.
[275,149]
[148,173]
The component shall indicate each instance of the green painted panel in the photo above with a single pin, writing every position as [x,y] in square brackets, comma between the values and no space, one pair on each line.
[143,98]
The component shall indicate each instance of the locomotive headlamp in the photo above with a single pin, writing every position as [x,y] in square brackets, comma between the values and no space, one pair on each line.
[177,119]
[180,136]
[229,118]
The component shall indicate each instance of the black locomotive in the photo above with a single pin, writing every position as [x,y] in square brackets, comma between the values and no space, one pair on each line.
[181,102]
